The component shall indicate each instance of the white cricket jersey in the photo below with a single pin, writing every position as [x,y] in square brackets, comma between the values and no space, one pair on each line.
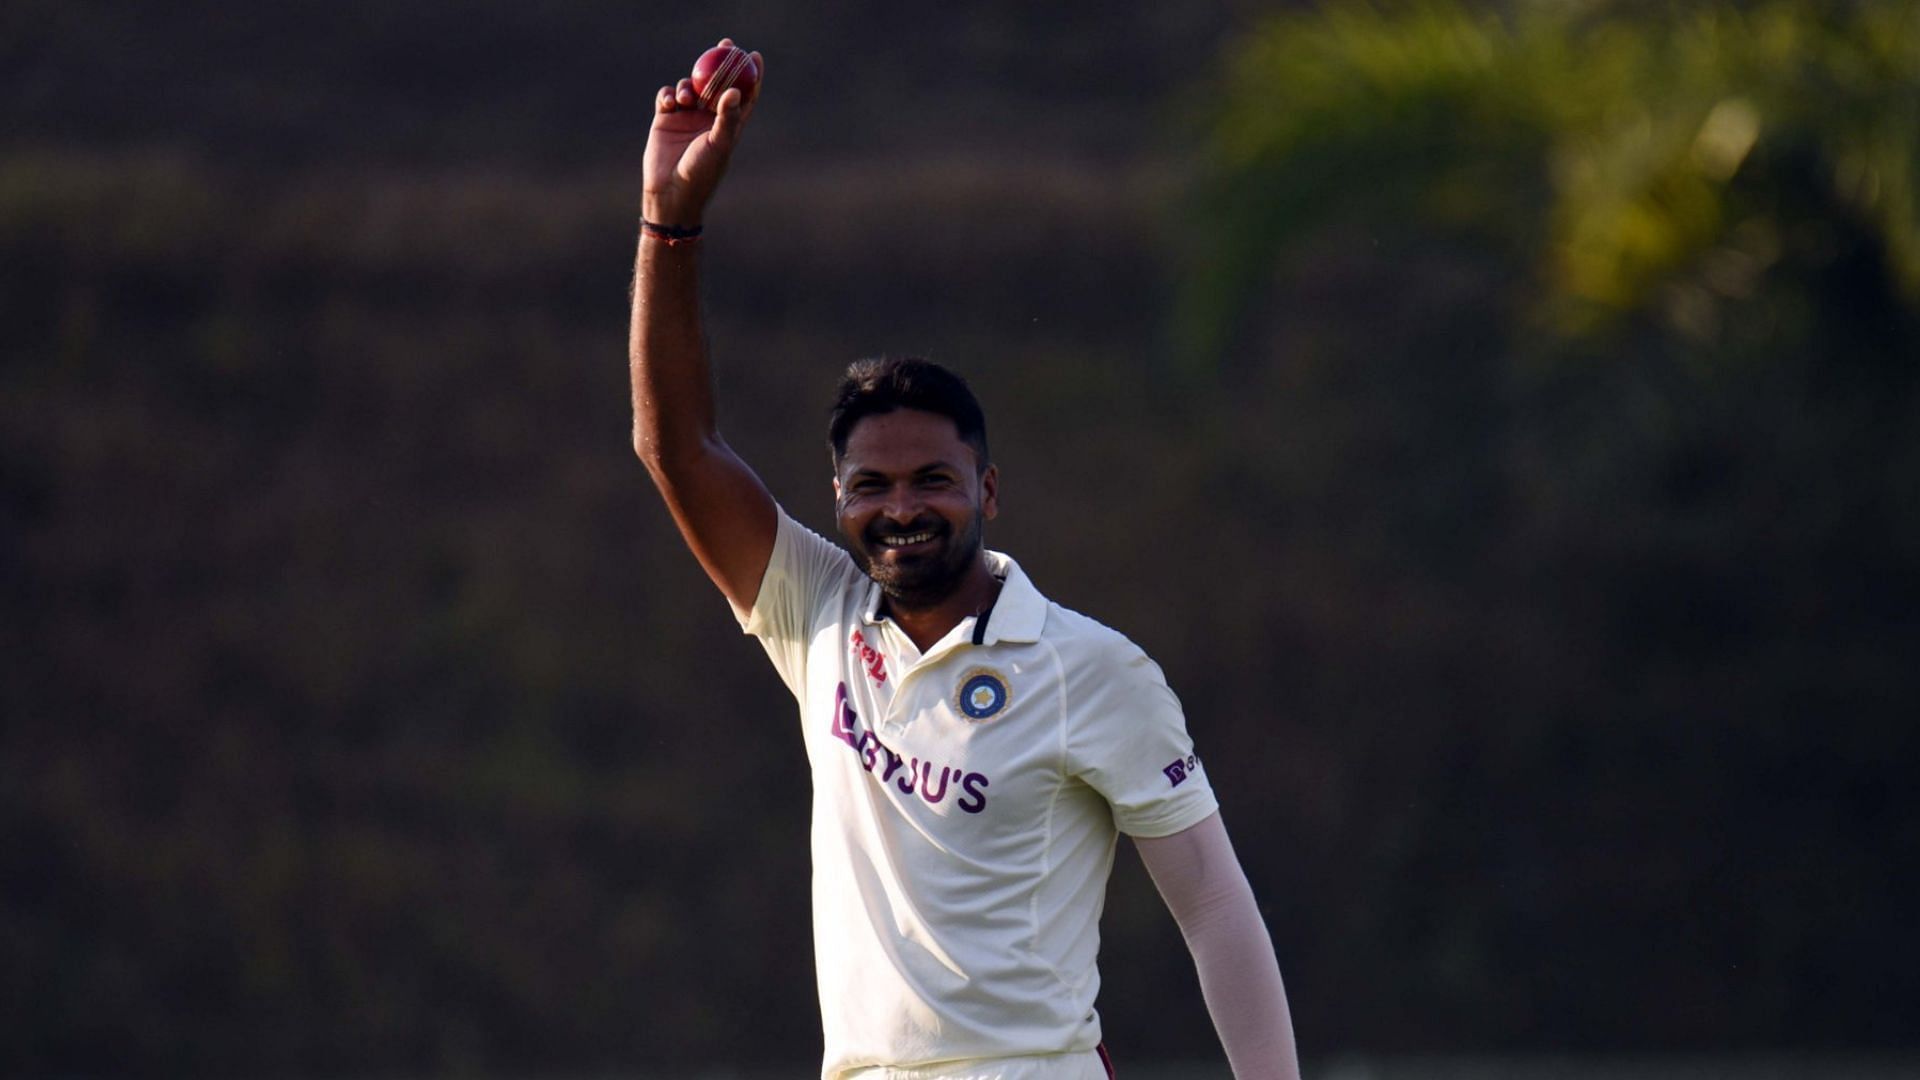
[966,802]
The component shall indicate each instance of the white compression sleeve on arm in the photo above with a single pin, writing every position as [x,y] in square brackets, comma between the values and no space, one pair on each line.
[1200,879]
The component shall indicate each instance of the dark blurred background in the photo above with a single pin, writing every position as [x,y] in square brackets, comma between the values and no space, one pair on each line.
[1498,419]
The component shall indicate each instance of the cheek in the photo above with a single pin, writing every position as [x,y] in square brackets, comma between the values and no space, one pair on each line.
[852,515]
[957,507]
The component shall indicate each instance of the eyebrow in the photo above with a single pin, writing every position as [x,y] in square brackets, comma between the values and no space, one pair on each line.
[931,467]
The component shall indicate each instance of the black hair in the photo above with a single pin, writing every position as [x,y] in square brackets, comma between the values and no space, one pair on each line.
[880,385]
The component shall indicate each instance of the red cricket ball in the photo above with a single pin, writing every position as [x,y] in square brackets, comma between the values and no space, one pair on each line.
[721,68]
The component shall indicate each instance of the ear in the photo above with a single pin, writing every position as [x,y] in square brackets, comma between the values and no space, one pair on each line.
[990,493]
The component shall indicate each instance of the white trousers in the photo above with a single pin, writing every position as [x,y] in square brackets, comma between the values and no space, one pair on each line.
[1084,1065]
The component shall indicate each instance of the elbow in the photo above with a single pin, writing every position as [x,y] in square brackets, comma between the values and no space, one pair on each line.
[652,452]
[646,447]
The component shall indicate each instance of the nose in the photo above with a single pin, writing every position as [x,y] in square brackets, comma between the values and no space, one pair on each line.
[902,504]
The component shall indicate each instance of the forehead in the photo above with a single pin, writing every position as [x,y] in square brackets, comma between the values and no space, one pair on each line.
[904,439]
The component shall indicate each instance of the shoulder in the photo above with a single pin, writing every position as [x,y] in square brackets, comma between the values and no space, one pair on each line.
[806,575]
[1090,648]
[1124,724]
[1093,656]
[796,541]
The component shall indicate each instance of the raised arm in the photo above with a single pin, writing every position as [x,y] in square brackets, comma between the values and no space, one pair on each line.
[721,507]
[1200,878]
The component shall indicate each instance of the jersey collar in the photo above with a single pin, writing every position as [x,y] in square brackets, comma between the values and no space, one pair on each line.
[1020,611]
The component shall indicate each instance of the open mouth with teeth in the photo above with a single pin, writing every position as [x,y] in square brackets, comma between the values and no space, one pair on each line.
[906,542]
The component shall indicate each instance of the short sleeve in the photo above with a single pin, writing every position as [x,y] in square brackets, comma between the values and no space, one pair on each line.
[1127,739]
[807,577]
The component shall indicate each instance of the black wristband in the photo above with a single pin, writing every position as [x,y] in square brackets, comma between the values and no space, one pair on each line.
[672,234]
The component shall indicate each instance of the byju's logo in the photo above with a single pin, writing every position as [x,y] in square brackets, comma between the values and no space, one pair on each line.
[1180,769]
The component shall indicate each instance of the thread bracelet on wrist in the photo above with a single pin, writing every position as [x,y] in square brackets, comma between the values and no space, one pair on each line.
[673,235]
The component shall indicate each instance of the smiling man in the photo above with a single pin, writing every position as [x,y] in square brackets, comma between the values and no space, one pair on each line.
[975,748]
[914,491]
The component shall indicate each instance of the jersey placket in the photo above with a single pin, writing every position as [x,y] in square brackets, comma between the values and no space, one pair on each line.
[901,707]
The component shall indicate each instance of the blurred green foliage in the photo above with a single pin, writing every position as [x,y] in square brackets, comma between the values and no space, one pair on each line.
[1570,355]
[1660,162]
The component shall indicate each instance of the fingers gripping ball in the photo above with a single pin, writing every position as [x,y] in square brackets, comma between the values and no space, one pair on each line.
[720,69]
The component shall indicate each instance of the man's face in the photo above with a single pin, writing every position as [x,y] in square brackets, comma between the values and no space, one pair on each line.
[912,503]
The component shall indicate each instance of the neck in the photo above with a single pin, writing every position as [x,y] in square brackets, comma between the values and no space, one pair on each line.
[926,624]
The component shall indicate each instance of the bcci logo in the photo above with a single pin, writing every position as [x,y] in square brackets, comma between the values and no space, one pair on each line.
[982,694]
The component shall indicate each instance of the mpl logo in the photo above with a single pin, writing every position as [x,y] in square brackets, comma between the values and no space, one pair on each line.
[1180,769]
[868,657]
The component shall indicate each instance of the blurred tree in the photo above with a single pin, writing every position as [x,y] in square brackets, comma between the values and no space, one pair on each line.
[1629,160]
[1582,336]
